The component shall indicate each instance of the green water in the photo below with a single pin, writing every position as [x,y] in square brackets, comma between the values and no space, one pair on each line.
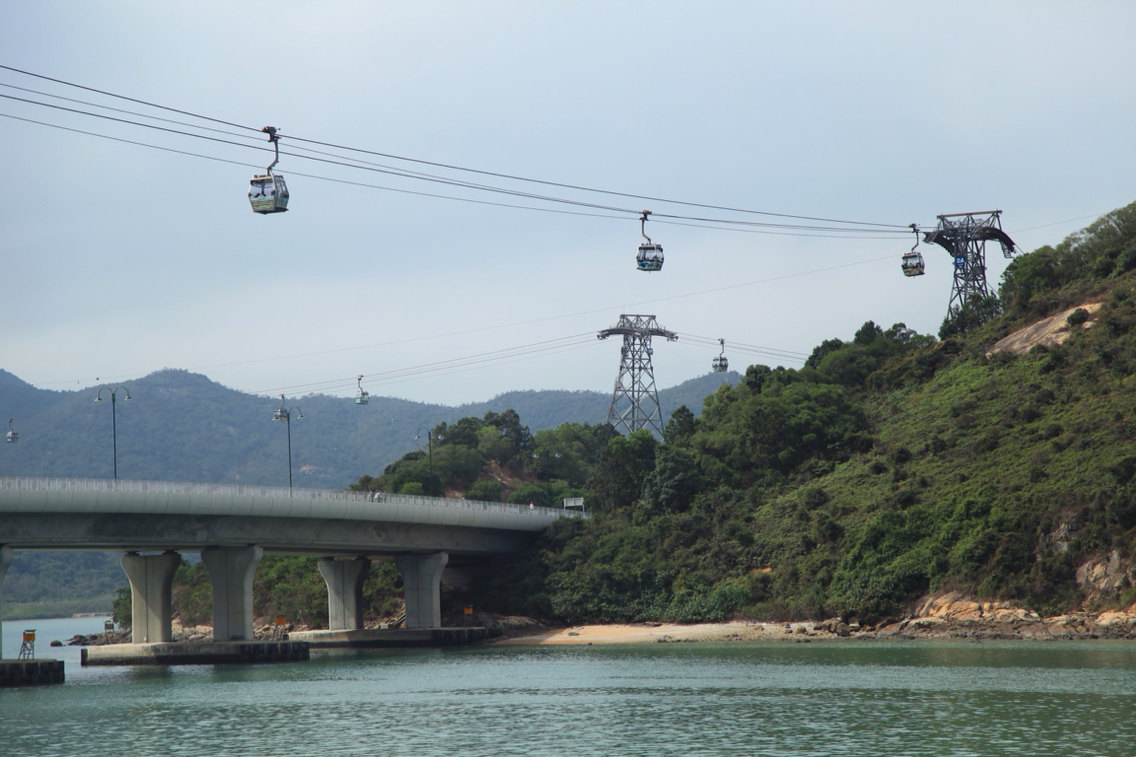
[846,698]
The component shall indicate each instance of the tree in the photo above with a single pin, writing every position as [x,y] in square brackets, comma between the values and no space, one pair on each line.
[972,314]
[617,480]
[680,427]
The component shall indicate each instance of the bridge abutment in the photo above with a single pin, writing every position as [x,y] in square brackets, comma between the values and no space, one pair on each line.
[231,570]
[5,561]
[344,579]
[151,577]
[422,582]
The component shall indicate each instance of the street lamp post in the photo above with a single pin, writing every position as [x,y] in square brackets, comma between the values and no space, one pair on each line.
[113,420]
[429,447]
[284,414]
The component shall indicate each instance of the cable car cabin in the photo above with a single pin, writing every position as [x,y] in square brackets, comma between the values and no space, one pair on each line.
[720,364]
[268,194]
[650,257]
[12,437]
[912,264]
[362,398]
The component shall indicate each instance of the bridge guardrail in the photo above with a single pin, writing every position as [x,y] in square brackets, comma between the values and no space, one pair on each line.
[276,492]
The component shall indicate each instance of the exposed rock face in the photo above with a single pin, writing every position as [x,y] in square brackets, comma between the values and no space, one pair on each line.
[1049,331]
[953,615]
[1105,575]
[957,607]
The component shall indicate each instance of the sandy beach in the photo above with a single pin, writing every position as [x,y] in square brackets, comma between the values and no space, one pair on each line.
[946,616]
[620,633]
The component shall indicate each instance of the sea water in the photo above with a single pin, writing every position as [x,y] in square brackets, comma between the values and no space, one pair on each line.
[774,698]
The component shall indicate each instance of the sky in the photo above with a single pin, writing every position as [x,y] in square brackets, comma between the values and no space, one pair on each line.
[126,249]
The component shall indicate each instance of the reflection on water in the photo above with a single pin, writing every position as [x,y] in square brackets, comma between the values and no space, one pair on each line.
[1014,698]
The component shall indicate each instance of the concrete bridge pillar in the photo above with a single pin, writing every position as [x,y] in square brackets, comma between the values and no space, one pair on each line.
[344,579]
[150,579]
[231,570]
[421,584]
[5,561]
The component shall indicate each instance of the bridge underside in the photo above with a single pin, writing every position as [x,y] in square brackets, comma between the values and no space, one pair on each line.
[231,547]
[232,527]
[192,533]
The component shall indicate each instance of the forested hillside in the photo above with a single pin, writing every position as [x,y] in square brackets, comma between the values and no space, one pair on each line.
[890,466]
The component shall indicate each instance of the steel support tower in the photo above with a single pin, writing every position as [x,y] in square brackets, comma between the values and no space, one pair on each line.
[964,236]
[634,401]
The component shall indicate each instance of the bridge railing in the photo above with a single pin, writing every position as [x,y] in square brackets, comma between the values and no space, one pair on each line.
[275,492]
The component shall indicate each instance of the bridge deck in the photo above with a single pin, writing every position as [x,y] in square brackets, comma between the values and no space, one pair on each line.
[53,513]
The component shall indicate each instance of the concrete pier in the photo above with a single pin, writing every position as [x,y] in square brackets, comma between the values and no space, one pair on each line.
[377,638]
[151,577]
[344,579]
[421,585]
[231,570]
[197,653]
[5,561]
[30,672]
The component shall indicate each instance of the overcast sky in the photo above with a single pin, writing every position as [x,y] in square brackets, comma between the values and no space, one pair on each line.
[119,259]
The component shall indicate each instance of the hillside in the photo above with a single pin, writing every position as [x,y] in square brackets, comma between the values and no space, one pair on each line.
[180,426]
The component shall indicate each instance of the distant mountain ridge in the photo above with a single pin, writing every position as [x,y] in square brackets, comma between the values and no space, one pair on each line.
[182,426]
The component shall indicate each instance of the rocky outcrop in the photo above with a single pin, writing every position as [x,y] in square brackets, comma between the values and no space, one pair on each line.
[1047,332]
[953,615]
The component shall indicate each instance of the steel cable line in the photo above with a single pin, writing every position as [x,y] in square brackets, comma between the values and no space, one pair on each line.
[786,229]
[131,99]
[459,364]
[121,110]
[733,346]
[511,177]
[307,175]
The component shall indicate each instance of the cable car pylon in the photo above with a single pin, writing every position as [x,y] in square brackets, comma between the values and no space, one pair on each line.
[634,400]
[964,236]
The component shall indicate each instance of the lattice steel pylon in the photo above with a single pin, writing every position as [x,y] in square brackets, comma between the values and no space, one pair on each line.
[964,236]
[634,401]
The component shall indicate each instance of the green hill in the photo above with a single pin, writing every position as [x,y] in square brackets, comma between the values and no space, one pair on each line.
[892,465]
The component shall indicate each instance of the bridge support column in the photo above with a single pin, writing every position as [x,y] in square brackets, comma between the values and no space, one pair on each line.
[421,584]
[5,561]
[231,570]
[150,579]
[344,579]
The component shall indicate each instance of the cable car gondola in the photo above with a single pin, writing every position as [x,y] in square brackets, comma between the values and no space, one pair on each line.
[268,193]
[720,364]
[650,257]
[362,398]
[12,436]
[913,261]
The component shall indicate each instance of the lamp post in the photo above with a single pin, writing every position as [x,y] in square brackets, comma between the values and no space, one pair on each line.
[283,414]
[429,447]
[113,420]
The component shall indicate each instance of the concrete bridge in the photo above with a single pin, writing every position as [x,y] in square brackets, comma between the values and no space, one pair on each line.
[232,527]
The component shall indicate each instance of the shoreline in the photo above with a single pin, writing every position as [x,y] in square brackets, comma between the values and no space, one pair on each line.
[946,617]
